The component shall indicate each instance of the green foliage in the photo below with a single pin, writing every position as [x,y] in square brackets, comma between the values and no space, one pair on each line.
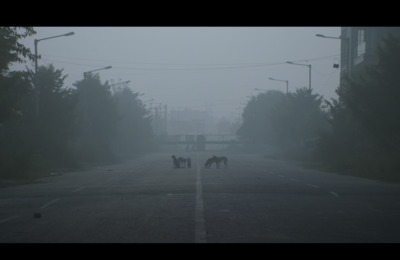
[365,121]
[12,85]
[97,117]
[30,144]
[133,129]
[300,118]
[56,121]
[287,121]
[10,49]
[257,116]
[373,97]
[13,88]
[73,125]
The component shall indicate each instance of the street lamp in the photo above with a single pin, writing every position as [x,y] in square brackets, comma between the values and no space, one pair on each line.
[85,98]
[87,72]
[287,83]
[347,39]
[120,83]
[116,84]
[37,89]
[309,73]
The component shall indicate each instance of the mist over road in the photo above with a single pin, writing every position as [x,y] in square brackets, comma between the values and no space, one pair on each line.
[254,200]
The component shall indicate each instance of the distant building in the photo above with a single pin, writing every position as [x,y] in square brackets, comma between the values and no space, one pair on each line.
[363,42]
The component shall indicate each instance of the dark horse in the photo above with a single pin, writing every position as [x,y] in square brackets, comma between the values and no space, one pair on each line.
[209,162]
[217,161]
[175,162]
[223,159]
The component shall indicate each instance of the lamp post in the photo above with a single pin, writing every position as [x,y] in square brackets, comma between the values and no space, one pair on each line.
[120,83]
[37,88]
[287,83]
[309,71]
[85,96]
[148,101]
[258,89]
[347,39]
[87,72]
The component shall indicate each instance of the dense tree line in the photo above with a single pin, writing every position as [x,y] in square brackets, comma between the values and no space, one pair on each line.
[290,122]
[88,123]
[365,119]
[357,133]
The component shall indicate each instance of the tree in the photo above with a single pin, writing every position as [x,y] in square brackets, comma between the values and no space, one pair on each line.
[31,145]
[133,128]
[366,118]
[12,87]
[288,121]
[373,96]
[339,144]
[300,118]
[10,49]
[257,125]
[97,117]
[57,119]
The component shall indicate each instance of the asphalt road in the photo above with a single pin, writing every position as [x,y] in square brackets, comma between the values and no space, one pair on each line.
[254,200]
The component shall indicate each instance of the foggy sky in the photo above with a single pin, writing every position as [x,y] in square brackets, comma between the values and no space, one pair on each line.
[206,68]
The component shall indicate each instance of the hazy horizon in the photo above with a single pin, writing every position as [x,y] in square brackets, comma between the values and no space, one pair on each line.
[214,69]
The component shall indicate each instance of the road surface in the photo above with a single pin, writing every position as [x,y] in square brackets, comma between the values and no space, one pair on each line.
[254,200]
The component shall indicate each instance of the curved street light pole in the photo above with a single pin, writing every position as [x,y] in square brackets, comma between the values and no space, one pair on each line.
[347,39]
[120,83]
[287,83]
[87,72]
[85,113]
[309,71]
[35,82]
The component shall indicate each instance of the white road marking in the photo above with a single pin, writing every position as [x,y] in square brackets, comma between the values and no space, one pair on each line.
[8,219]
[49,203]
[334,194]
[200,231]
[78,189]
[176,194]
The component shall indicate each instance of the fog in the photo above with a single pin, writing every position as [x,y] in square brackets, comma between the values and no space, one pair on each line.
[118,128]
[211,69]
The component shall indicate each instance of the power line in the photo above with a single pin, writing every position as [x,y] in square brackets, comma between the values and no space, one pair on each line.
[212,66]
[158,63]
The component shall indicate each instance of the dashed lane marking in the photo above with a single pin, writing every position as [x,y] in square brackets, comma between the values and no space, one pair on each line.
[200,231]
[8,219]
[78,189]
[334,193]
[49,203]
